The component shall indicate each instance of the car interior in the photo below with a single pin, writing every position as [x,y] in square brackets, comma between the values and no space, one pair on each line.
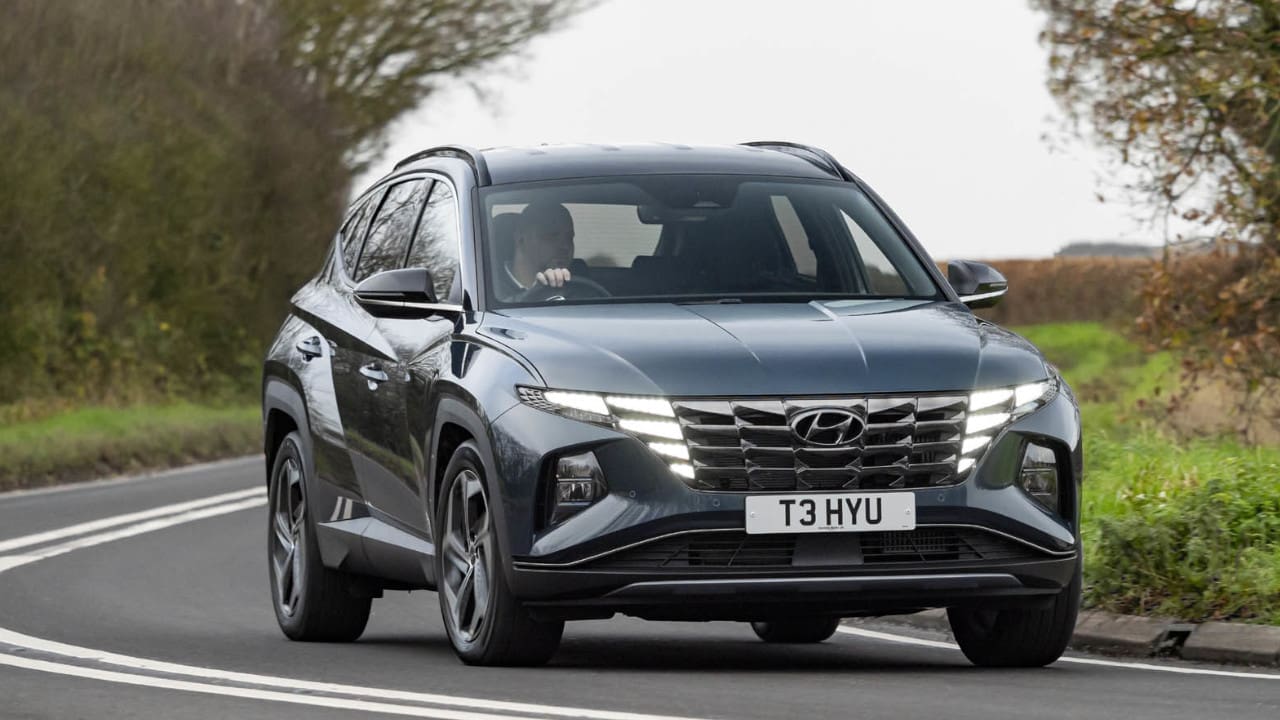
[764,243]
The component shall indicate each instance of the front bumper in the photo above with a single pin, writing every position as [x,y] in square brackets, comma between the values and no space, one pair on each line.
[580,568]
[753,597]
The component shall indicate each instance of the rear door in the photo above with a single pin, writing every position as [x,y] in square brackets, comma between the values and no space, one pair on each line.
[337,327]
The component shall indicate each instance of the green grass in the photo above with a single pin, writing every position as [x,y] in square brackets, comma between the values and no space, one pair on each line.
[93,442]
[1189,527]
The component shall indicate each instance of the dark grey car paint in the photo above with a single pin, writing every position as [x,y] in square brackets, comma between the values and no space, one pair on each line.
[374,454]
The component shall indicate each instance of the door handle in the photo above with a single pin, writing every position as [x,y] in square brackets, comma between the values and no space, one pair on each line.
[374,374]
[310,348]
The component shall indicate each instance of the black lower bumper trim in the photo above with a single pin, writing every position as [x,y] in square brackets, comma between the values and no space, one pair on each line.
[797,588]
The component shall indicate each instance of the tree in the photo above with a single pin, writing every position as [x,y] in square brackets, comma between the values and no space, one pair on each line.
[371,61]
[1188,95]
[173,170]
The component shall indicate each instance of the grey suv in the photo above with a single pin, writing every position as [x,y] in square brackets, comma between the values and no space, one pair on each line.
[680,383]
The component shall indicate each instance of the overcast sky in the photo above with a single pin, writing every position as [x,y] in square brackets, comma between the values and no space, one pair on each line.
[939,104]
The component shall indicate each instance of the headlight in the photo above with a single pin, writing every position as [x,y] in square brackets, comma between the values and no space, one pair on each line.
[1039,475]
[578,483]
[990,411]
[649,418]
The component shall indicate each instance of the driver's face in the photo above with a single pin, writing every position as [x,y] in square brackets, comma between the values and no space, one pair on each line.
[549,243]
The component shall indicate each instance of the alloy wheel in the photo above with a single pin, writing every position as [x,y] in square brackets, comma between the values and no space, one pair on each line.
[468,557]
[288,514]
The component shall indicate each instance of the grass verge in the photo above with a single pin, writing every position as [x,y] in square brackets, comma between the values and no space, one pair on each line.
[1187,527]
[99,441]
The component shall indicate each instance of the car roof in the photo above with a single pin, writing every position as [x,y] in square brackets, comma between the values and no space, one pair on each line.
[557,162]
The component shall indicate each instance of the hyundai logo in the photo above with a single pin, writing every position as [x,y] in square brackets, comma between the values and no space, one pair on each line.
[826,427]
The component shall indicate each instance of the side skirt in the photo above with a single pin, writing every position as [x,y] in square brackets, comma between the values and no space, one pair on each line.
[373,548]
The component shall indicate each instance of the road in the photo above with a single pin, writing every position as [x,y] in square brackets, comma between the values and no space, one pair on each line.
[166,614]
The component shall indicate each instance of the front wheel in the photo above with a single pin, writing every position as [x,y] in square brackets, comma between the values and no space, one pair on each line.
[1031,637]
[485,622]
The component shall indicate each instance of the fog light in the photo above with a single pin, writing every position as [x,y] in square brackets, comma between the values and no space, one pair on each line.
[578,484]
[1039,476]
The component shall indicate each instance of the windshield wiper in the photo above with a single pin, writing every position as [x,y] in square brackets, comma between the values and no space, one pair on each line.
[716,301]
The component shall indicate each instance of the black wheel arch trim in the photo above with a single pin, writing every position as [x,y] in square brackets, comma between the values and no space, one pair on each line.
[281,394]
[454,410]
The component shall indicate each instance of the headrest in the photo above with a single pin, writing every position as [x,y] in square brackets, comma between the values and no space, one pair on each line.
[502,233]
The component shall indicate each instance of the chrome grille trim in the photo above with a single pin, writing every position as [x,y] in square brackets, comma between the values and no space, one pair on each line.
[747,445]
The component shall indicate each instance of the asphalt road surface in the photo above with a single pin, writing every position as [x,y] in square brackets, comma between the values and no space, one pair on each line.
[148,598]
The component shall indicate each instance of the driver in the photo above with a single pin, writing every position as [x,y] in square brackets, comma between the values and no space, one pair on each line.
[543,250]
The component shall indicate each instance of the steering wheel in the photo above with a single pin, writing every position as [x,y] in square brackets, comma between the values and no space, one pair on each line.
[578,288]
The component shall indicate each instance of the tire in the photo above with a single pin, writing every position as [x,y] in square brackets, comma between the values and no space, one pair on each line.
[312,602]
[485,622]
[1031,637]
[796,630]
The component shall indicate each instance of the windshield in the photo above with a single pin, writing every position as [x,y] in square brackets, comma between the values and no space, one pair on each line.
[692,238]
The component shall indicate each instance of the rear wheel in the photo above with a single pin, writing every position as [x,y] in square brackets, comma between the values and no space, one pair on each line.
[796,630]
[485,622]
[311,601]
[1030,637]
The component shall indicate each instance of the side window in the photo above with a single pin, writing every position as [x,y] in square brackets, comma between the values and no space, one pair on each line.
[793,231]
[882,276]
[391,228]
[435,246]
[353,234]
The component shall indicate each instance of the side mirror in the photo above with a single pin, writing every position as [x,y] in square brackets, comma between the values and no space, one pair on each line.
[979,285]
[407,293]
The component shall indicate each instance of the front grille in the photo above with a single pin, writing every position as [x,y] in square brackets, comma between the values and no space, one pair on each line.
[748,445]
[738,550]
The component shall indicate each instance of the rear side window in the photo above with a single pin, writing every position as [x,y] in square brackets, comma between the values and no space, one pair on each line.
[435,246]
[391,228]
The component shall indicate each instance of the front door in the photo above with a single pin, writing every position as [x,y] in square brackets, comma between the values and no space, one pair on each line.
[377,380]
[419,352]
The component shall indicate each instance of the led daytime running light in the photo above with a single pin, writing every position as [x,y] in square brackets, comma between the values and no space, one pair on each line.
[646,405]
[985,421]
[656,428]
[679,451]
[987,398]
[1029,393]
[586,402]
[682,469]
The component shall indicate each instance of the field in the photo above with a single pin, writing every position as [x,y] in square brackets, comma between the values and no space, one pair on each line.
[1181,526]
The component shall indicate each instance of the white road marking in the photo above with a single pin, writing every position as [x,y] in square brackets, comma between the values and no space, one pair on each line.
[159,666]
[906,640]
[250,693]
[8,562]
[256,497]
[95,525]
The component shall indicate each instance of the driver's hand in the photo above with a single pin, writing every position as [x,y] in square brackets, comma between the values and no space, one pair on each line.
[553,277]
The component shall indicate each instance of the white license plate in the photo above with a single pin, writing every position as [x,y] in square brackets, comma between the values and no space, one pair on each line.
[830,512]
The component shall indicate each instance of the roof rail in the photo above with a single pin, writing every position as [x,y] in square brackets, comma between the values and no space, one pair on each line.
[815,156]
[469,155]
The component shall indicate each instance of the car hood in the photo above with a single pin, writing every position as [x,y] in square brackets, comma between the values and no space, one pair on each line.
[766,349]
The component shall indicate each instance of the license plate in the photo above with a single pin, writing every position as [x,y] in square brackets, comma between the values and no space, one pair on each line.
[830,512]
